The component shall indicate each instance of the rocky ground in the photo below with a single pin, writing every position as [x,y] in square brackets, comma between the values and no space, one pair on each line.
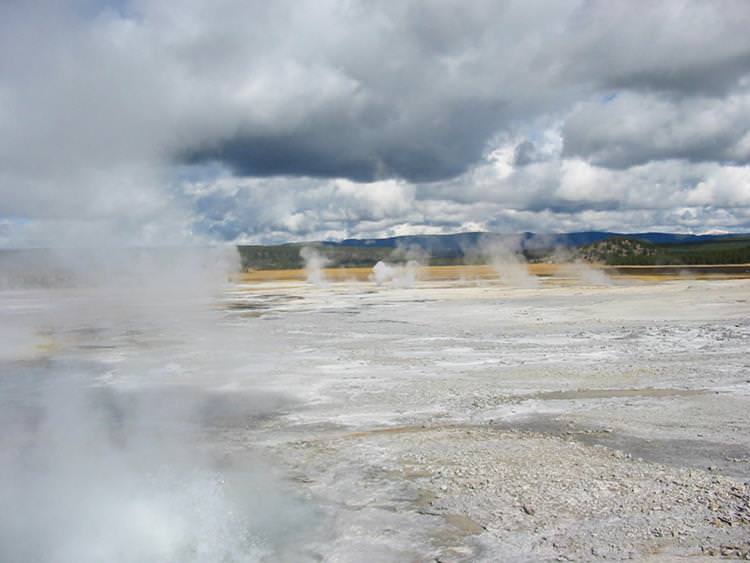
[582,419]
[479,423]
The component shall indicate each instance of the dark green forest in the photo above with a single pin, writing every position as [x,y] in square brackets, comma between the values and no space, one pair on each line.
[615,251]
[624,251]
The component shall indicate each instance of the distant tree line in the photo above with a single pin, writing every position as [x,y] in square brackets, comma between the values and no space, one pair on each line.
[623,251]
[615,251]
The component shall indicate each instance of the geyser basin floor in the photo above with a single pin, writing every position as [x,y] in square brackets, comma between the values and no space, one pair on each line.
[459,421]
[448,421]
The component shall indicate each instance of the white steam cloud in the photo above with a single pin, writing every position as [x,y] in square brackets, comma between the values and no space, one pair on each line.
[396,275]
[577,269]
[112,410]
[315,263]
[586,273]
[403,273]
[507,259]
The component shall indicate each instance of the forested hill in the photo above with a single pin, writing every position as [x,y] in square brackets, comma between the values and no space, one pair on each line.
[456,242]
[633,251]
[596,246]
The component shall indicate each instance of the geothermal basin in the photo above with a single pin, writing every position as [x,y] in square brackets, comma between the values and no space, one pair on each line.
[451,418]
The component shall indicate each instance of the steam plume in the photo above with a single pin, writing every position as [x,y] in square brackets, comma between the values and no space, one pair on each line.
[403,273]
[506,258]
[104,399]
[573,267]
[315,262]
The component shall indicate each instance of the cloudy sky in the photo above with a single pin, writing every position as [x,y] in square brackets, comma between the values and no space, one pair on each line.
[165,121]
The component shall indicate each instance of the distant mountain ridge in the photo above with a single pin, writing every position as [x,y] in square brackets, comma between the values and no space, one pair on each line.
[452,243]
[462,248]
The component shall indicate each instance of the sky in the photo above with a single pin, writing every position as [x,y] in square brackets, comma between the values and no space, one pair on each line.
[151,122]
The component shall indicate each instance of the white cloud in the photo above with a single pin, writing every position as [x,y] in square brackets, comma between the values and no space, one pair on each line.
[556,194]
[333,118]
[639,128]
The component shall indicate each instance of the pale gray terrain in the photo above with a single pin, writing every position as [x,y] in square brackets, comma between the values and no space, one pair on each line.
[446,421]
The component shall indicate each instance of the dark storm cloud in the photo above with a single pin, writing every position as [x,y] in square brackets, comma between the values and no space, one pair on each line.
[713,77]
[525,153]
[632,130]
[425,87]
[680,47]
[357,147]
[529,106]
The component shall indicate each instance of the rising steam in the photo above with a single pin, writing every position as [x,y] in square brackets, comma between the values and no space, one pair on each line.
[315,263]
[106,394]
[572,267]
[404,272]
[506,258]
[586,273]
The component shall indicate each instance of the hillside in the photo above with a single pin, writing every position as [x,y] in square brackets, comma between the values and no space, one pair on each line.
[621,251]
[287,256]
[633,251]
[594,246]
[437,244]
